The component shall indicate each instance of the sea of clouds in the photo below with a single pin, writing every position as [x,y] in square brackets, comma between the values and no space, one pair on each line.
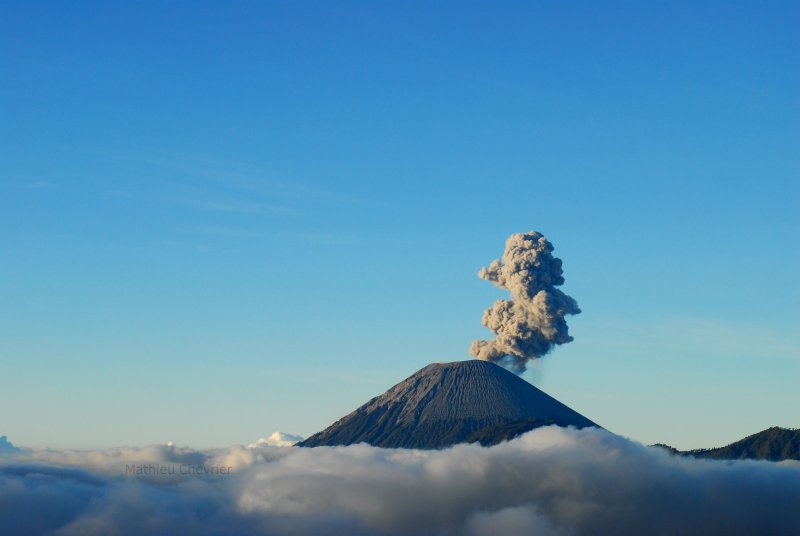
[551,481]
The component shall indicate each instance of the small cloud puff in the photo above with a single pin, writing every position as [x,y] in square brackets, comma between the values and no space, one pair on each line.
[6,447]
[276,439]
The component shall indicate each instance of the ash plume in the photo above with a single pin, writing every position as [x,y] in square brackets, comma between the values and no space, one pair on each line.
[532,321]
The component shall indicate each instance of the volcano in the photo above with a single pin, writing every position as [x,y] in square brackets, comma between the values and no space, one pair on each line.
[445,404]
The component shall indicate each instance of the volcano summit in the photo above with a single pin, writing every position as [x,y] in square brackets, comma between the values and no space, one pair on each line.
[445,404]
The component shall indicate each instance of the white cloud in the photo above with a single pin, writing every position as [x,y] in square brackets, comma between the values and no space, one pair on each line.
[516,521]
[550,481]
[276,439]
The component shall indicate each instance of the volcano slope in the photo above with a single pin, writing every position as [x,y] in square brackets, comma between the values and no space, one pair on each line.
[445,404]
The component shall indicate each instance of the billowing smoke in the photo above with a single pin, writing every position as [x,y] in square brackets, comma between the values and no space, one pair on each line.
[551,481]
[532,321]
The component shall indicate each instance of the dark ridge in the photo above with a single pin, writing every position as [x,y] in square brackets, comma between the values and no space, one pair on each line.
[773,444]
[444,404]
[671,450]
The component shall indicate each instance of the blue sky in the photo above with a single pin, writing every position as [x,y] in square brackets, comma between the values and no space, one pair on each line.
[223,219]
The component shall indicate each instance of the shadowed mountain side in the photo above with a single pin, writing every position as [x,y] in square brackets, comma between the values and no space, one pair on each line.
[773,444]
[445,404]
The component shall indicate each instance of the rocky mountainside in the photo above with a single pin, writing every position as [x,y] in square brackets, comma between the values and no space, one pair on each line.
[448,403]
[773,444]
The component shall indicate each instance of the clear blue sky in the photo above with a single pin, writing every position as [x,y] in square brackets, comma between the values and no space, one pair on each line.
[223,219]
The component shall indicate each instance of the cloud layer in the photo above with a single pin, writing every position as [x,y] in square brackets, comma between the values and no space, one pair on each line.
[550,481]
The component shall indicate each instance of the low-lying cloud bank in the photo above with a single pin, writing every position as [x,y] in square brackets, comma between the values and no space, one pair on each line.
[551,481]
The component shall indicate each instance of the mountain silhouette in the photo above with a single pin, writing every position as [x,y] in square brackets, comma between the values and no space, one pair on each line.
[445,404]
[773,444]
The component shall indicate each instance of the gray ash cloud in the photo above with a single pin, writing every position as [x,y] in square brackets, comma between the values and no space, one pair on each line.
[532,322]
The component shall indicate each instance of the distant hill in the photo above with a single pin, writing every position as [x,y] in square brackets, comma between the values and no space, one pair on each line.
[773,444]
[445,404]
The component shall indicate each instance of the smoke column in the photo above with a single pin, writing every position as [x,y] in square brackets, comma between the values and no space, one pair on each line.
[532,321]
